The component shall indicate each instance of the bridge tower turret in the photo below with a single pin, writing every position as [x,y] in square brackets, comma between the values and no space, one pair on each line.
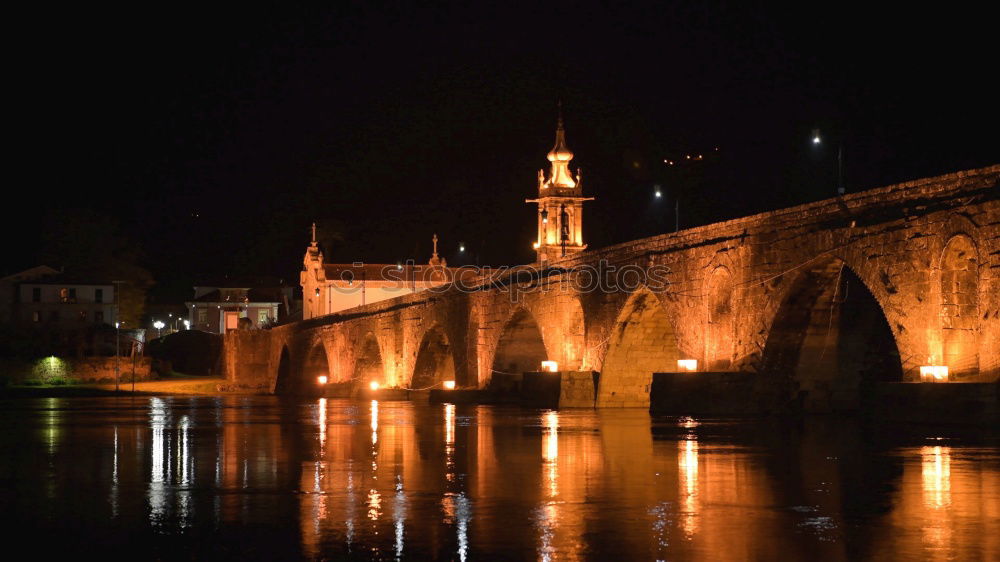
[560,204]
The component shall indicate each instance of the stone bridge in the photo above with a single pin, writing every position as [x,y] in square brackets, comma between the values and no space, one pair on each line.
[814,300]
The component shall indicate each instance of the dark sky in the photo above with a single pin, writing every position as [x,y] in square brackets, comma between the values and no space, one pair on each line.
[215,136]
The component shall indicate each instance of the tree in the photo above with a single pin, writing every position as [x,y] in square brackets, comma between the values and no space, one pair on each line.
[90,245]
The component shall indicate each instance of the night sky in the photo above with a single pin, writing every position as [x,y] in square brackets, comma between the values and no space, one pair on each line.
[213,138]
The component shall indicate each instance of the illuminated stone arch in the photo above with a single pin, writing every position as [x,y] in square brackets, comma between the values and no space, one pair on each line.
[520,347]
[435,361]
[959,312]
[643,341]
[283,383]
[720,325]
[829,337]
[562,324]
[368,363]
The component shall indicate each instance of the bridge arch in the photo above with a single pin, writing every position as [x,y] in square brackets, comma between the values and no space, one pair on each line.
[368,364]
[520,348]
[643,341]
[317,364]
[720,333]
[283,383]
[829,337]
[435,361]
[959,288]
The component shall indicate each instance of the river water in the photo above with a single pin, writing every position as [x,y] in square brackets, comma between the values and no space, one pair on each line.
[266,478]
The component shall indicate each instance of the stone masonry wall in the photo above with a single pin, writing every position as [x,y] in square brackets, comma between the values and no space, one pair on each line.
[726,284]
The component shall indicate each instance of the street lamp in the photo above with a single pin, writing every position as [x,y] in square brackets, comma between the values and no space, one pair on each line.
[118,286]
[818,139]
[159,326]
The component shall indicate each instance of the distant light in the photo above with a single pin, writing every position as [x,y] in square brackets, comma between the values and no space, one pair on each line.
[816,137]
[187,324]
[658,194]
[171,315]
[687,364]
[534,245]
[373,385]
[816,140]
[322,379]
[461,247]
[158,325]
[449,385]
[317,291]
[550,366]
[933,373]
[116,324]
[399,266]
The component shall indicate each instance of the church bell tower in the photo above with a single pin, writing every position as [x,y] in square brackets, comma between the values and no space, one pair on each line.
[560,205]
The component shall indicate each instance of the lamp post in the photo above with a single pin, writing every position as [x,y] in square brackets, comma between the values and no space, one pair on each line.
[118,286]
[817,139]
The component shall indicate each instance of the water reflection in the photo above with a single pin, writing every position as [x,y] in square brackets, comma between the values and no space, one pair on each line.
[688,463]
[337,479]
[936,471]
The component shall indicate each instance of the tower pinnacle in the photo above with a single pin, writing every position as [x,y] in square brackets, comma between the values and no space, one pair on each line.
[560,156]
[560,204]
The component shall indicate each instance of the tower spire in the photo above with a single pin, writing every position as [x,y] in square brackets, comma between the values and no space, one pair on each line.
[314,233]
[560,203]
[560,156]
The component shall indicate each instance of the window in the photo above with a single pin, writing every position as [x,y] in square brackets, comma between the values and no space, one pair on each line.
[72,294]
[82,316]
[98,295]
[36,316]
[99,315]
[262,316]
[202,316]
[36,294]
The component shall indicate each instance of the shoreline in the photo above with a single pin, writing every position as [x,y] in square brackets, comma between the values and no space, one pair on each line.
[188,386]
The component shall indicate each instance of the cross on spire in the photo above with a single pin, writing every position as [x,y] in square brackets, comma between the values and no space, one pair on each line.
[314,233]
[435,239]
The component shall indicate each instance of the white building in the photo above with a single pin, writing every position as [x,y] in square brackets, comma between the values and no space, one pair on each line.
[332,287]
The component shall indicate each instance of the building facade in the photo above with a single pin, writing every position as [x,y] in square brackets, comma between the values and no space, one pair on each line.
[43,296]
[331,287]
[218,309]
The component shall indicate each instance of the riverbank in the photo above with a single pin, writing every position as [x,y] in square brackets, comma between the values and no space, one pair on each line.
[193,386]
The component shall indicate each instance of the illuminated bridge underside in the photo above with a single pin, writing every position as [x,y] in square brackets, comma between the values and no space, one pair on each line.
[817,299]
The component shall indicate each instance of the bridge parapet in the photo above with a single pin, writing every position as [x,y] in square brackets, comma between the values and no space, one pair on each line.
[914,267]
